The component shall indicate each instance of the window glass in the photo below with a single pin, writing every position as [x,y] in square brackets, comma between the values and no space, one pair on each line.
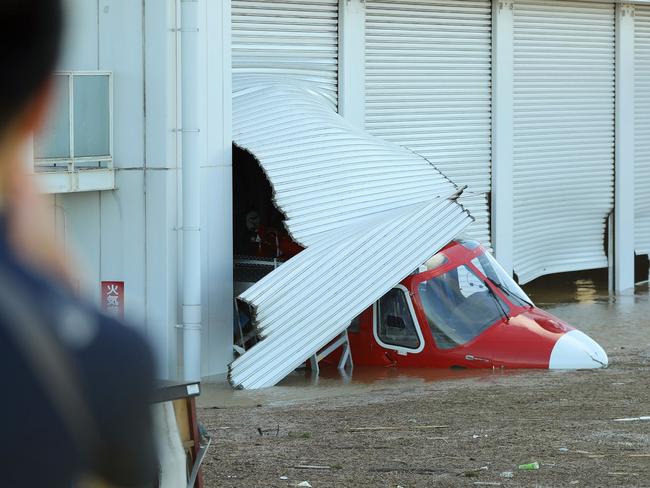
[91,116]
[54,140]
[489,266]
[395,324]
[459,306]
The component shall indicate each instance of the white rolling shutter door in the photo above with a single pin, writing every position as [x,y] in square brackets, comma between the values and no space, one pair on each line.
[642,136]
[428,87]
[293,38]
[563,135]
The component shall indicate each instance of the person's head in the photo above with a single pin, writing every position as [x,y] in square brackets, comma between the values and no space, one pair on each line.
[29,42]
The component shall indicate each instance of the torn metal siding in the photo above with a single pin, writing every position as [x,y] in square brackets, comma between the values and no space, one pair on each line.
[367,211]
[325,173]
[429,87]
[311,299]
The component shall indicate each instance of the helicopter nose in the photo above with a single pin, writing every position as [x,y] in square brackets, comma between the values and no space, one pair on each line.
[576,350]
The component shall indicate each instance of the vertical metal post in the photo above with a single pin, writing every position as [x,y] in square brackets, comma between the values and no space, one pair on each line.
[502,132]
[624,153]
[191,173]
[352,33]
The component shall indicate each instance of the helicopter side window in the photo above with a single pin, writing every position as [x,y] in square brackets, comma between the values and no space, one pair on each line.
[395,325]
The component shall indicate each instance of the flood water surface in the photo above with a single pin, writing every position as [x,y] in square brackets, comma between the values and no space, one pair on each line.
[582,300]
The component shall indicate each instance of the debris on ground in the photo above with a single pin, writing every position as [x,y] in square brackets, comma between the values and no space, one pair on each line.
[304,484]
[529,466]
[409,427]
[632,419]
[507,474]
[269,432]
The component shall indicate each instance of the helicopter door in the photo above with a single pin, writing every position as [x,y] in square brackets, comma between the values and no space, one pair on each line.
[395,324]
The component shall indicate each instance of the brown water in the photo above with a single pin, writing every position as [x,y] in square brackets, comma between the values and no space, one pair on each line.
[582,300]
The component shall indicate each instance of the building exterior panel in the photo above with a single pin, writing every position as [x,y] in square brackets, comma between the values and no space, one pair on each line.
[428,88]
[642,129]
[563,144]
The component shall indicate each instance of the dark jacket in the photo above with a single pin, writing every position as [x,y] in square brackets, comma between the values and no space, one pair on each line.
[76,387]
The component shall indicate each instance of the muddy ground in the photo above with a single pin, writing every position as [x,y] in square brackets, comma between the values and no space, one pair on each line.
[391,429]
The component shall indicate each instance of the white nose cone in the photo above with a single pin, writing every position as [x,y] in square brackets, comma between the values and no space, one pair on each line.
[575,350]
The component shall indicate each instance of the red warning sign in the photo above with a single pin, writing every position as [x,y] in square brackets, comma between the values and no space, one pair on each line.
[113,298]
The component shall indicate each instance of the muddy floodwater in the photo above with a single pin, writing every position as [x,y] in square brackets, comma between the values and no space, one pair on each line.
[388,428]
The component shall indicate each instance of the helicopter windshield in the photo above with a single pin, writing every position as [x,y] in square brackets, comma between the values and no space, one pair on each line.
[490,267]
[459,306]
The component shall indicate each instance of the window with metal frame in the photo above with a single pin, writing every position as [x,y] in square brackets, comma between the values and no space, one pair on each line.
[79,132]
[395,323]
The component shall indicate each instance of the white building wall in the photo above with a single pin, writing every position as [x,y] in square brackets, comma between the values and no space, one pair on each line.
[129,234]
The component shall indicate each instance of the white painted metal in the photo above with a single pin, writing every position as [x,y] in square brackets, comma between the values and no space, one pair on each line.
[311,299]
[326,173]
[369,212]
[642,129]
[53,182]
[624,151]
[293,38]
[563,135]
[351,89]
[502,126]
[192,139]
[428,87]
[216,181]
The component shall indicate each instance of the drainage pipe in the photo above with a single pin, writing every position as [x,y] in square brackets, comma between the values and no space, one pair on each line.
[191,158]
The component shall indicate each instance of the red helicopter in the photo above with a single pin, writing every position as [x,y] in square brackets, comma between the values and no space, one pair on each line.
[460,309]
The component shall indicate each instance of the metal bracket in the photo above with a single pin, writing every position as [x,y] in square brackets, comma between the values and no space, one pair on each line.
[507,4]
[345,365]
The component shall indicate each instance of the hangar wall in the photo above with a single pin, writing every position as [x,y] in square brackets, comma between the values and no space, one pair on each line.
[466,107]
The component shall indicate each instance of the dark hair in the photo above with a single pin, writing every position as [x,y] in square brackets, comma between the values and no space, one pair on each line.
[30,39]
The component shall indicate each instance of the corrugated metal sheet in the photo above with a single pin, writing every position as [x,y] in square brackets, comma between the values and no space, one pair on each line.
[293,38]
[326,174]
[428,87]
[563,135]
[369,212]
[642,125]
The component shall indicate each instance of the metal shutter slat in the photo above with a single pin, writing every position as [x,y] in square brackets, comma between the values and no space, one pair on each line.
[296,39]
[642,130]
[428,87]
[563,166]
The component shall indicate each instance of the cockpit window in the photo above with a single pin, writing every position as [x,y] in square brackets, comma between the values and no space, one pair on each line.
[395,324]
[490,267]
[459,306]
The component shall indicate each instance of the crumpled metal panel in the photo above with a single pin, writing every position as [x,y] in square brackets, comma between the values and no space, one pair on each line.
[312,298]
[297,39]
[642,124]
[326,174]
[563,164]
[367,211]
[429,88]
